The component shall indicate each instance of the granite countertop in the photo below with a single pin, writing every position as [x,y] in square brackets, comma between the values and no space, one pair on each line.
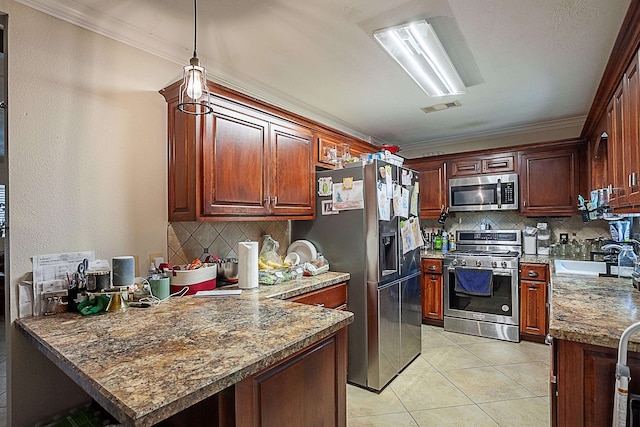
[593,310]
[144,365]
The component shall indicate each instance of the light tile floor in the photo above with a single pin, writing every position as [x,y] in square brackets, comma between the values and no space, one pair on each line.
[461,380]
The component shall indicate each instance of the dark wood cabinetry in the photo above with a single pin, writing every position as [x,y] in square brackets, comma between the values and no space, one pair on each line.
[246,160]
[307,389]
[500,163]
[334,296]
[433,185]
[534,279]
[549,182]
[432,292]
[585,381]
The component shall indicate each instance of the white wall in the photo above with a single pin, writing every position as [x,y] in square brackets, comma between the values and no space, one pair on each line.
[87,168]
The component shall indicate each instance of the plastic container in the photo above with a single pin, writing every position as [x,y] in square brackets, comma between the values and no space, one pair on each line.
[627,260]
[544,239]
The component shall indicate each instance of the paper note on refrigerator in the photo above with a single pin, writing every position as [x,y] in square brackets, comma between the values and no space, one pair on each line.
[413,210]
[384,204]
[348,198]
[400,201]
[408,243]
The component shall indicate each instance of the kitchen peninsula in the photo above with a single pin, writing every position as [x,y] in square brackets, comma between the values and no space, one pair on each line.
[246,359]
[587,318]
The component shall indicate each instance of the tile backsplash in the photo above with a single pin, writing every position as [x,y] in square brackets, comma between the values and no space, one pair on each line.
[574,226]
[190,240]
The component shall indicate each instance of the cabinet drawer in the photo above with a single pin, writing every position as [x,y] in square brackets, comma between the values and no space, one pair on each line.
[534,272]
[432,266]
[465,167]
[330,297]
[498,164]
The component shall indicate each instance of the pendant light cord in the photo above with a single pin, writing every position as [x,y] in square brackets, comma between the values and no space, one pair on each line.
[195,26]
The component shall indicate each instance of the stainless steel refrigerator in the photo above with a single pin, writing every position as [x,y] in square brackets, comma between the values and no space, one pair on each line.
[364,238]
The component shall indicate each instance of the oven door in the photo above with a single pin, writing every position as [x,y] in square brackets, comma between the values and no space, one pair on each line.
[501,306]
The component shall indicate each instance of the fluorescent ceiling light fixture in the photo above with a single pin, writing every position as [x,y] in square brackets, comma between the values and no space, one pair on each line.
[416,47]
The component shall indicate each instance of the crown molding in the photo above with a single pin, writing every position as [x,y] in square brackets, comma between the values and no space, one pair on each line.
[551,125]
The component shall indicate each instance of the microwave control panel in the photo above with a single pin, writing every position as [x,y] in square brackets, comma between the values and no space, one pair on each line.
[508,193]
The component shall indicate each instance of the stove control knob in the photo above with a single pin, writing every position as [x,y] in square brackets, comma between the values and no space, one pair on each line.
[454,262]
[478,263]
[504,264]
[463,262]
[494,264]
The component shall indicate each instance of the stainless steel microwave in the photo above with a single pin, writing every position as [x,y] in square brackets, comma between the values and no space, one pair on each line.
[484,193]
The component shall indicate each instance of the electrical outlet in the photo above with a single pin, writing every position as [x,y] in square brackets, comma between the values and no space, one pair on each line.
[153,258]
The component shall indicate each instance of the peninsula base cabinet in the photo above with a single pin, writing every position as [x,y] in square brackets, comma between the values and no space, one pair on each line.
[432,292]
[584,378]
[306,389]
[533,301]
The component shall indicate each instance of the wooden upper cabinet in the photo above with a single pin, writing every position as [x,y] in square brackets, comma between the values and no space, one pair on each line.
[549,183]
[235,159]
[617,162]
[631,87]
[433,187]
[184,134]
[500,163]
[330,146]
[291,183]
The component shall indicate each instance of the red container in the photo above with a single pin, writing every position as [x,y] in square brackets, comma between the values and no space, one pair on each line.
[207,285]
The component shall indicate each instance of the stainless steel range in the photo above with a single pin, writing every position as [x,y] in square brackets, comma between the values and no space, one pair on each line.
[481,284]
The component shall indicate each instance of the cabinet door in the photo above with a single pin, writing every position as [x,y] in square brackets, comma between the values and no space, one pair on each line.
[235,156]
[184,135]
[291,171]
[432,303]
[632,132]
[533,307]
[549,183]
[433,189]
[617,168]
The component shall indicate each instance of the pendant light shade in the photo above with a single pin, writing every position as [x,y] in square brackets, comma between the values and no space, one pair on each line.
[195,97]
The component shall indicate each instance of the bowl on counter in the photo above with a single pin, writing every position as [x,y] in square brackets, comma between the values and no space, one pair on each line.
[228,269]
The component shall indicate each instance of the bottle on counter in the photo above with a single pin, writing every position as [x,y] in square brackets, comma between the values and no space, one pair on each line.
[452,243]
[445,241]
[438,242]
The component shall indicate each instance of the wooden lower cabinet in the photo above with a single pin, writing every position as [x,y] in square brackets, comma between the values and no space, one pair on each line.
[585,381]
[534,279]
[334,296]
[432,292]
[308,388]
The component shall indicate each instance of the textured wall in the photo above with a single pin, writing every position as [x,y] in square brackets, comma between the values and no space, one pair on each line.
[87,168]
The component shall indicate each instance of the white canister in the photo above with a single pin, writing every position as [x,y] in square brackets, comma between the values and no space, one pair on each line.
[530,244]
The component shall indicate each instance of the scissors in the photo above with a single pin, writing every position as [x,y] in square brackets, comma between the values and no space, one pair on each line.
[82,270]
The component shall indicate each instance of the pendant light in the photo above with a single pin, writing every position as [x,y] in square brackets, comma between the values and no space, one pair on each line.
[195,97]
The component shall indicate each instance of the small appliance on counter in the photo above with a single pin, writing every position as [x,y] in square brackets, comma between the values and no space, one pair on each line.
[544,238]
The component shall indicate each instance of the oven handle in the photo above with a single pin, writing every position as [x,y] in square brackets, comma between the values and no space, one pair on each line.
[496,272]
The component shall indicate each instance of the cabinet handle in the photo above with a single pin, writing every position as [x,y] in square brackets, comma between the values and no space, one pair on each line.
[532,273]
[275,200]
[497,165]
[533,287]
[467,167]
[432,268]
[633,180]
[524,203]
[267,201]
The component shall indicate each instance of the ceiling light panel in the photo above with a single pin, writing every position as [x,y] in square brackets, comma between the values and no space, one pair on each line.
[416,47]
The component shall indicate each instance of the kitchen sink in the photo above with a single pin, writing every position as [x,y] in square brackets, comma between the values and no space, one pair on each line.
[580,268]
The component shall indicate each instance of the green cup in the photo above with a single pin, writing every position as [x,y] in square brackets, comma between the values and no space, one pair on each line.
[160,287]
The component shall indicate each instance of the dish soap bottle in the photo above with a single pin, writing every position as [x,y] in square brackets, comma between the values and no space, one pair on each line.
[445,241]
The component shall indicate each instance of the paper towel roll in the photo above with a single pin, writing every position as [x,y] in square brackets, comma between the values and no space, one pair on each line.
[123,271]
[247,265]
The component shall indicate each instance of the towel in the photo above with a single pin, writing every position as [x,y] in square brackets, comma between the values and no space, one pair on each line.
[474,282]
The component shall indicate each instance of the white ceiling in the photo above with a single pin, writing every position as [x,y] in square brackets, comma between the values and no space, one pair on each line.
[529,64]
